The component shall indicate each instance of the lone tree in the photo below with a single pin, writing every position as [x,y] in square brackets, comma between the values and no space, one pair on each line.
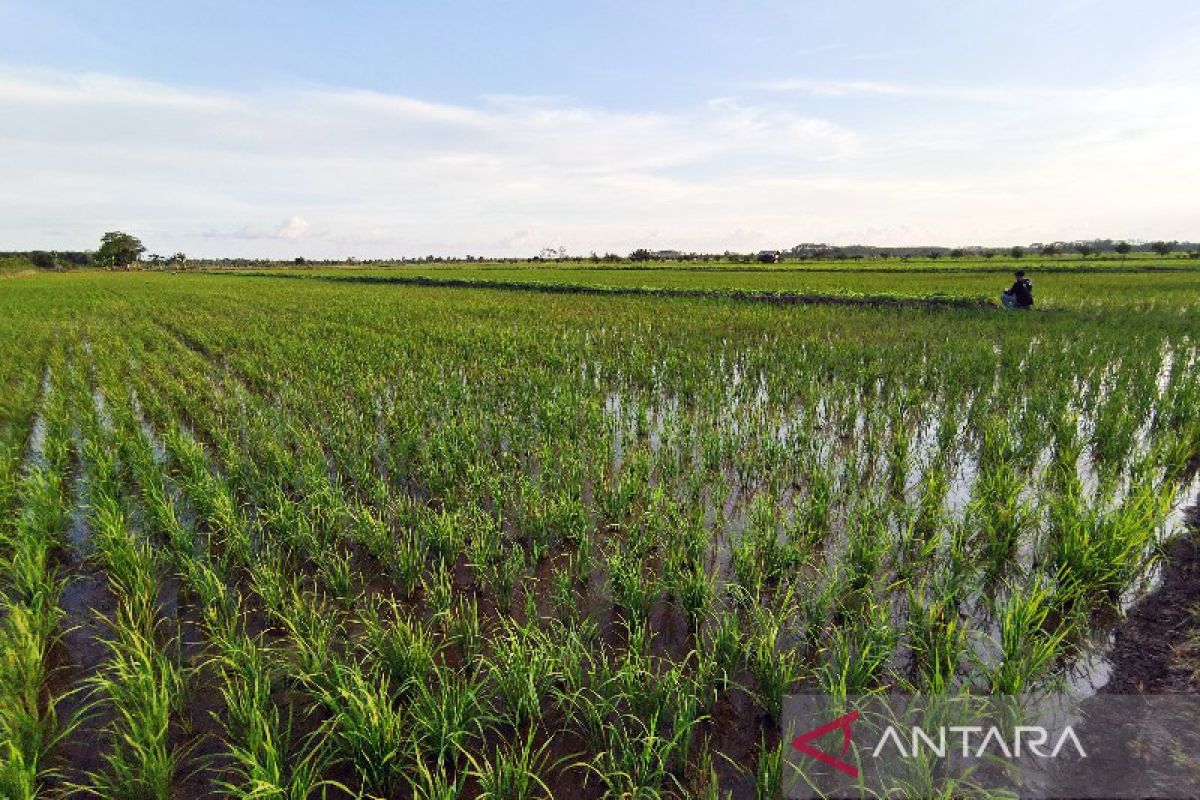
[1084,250]
[119,249]
[1123,248]
[1017,252]
[1162,248]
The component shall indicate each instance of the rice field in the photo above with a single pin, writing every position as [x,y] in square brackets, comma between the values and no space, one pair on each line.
[349,538]
[1151,285]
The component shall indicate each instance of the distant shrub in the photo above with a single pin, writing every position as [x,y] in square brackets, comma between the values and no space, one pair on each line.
[42,260]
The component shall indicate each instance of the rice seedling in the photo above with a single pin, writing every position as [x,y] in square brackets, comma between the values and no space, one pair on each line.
[339,575]
[29,723]
[513,772]
[368,730]
[502,575]
[437,783]
[768,778]
[522,668]
[724,647]
[446,714]
[145,687]
[858,653]
[465,630]
[702,492]
[269,759]
[775,664]
[400,645]
[938,640]
[634,760]
[695,590]
[439,595]
[1028,647]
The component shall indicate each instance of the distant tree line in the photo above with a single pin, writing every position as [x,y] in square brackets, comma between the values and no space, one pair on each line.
[119,250]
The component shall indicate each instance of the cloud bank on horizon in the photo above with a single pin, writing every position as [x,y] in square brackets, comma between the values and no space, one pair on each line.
[842,139]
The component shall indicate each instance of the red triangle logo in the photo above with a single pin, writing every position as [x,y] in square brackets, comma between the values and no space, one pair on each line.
[801,743]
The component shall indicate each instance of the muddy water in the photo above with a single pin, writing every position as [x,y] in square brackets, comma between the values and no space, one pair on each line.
[639,421]
[86,602]
[35,456]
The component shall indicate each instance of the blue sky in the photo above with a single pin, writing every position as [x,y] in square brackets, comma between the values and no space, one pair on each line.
[388,128]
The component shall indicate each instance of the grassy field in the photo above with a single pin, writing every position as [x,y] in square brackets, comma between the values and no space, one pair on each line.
[1150,285]
[286,538]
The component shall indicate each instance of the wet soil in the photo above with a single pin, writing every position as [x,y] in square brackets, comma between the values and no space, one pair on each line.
[1155,650]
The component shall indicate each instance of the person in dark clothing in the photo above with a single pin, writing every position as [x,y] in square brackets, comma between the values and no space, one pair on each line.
[1020,294]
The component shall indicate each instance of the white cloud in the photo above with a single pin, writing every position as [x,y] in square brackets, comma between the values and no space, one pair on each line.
[214,173]
[294,228]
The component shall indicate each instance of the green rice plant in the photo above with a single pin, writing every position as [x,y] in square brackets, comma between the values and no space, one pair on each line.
[130,563]
[439,594]
[1063,472]
[367,728]
[768,774]
[934,486]
[1028,647]
[338,574]
[762,553]
[560,518]
[465,630]
[775,665]
[484,544]
[144,687]
[724,647]
[858,653]
[867,542]
[577,664]
[563,596]
[405,562]
[437,783]
[529,590]
[633,593]
[446,713]
[314,632]
[268,759]
[34,587]
[1096,554]
[402,647]
[899,454]
[635,760]
[747,565]
[522,667]
[695,591]
[1000,515]
[30,615]
[938,640]
[443,533]
[502,575]
[1114,437]
[707,784]
[513,772]
[29,724]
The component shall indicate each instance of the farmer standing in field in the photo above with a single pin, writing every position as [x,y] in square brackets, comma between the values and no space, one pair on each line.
[1020,294]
